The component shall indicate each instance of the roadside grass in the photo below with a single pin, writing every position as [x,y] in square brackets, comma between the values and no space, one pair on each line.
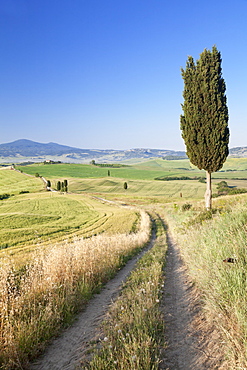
[43,295]
[133,331]
[205,244]
[39,218]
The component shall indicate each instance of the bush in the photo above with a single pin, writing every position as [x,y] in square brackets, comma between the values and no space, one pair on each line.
[186,206]
[202,179]
[201,217]
[4,196]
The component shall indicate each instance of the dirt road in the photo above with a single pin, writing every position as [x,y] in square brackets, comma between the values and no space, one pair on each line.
[192,345]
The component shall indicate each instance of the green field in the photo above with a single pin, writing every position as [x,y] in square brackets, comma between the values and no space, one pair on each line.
[149,170]
[140,178]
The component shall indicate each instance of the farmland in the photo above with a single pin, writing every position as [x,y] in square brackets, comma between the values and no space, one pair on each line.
[13,182]
[40,217]
[144,179]
[37,217]
[68,244]
[148,170]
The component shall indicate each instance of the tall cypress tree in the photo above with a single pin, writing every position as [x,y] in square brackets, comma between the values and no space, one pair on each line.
[204,122]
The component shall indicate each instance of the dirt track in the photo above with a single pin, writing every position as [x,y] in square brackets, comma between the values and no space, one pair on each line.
[192,345]
[69,350]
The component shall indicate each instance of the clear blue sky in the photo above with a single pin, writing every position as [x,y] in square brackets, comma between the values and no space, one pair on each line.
[106,73]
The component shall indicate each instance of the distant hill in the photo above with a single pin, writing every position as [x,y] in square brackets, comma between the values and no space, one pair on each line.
[240,151]
[27,150]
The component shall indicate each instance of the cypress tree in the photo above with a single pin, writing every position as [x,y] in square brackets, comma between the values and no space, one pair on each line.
[58,185]
[204,123]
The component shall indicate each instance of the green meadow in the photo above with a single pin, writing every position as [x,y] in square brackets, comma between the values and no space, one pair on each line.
[144,179]
[148,170]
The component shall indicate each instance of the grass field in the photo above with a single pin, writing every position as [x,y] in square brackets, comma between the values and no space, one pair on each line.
[32,219]
[45,293]
[12,182]
[149,170]
[141,188]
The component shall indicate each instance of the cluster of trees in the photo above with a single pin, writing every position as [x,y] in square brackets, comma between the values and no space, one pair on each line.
[111,165]
[172,178]
[62,186]
[4,196]
[50,161]
[173,157]
[224,189]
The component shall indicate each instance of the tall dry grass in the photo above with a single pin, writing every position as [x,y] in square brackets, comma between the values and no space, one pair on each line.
[205,244]
[134,328]
[40,297]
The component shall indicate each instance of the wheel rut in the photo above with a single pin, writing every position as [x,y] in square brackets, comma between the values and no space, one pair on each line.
[192,343]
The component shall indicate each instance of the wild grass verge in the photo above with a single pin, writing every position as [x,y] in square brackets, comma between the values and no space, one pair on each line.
[205,244]
[40,297]
[134,329]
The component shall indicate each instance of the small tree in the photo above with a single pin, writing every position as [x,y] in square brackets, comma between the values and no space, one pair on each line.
[58,185]
[109,174]
[65,185]
[125,186]
[204,122]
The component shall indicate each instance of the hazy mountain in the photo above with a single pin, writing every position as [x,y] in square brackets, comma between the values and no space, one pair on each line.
[23,150]
[27,150]
[240,151]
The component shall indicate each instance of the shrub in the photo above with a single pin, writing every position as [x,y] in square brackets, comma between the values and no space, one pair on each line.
[186,206]
[201,217]
[4,196]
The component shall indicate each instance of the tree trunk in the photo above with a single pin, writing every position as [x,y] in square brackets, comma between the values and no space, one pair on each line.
[208,194]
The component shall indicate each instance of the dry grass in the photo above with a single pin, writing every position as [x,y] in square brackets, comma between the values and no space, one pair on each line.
[205,244]
[133,331]
[36,299]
